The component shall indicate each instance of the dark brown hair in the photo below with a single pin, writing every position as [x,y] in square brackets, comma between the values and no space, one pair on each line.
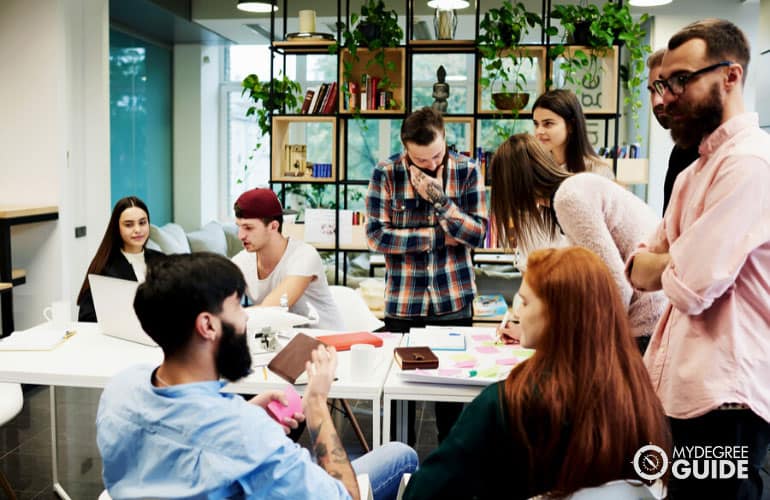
[523,173]
[656,58]
[422,127]
[112,242]
[586,383]
[724,41]
[565,103]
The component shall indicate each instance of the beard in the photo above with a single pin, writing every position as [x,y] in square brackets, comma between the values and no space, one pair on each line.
[660,114]
[233,359]
[429,173]
[700,119]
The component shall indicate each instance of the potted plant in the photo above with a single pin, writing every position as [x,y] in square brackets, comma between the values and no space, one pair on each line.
[500,34]
[599,29]
[269,97]
[376,29]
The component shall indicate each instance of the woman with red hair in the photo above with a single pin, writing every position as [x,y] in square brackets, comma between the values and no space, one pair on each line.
[573,415]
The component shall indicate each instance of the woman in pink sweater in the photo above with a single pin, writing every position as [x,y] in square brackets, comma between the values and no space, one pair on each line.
[544,203]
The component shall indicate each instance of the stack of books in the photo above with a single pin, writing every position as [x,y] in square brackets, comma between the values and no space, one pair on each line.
[320,101]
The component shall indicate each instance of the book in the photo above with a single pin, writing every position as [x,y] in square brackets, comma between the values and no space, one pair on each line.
[312,101]
[343,341]
[321,95]
[411,358]
[490,305]
[290,361]
[308,100]
[437,339]
[331,99]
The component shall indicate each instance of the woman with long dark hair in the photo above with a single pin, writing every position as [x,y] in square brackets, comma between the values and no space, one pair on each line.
[122,253]
[560,127]
[573,415]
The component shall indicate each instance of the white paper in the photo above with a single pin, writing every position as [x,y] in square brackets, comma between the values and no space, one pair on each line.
[320,225]
[437,339]
[39,338]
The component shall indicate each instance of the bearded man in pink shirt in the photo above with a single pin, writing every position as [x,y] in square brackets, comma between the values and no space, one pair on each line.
[709,357]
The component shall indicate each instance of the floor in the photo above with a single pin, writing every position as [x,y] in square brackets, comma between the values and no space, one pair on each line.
[25,443]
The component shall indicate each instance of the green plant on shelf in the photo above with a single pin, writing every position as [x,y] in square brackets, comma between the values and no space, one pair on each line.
[600,29]
[376,29]
[503,57]
[269,97]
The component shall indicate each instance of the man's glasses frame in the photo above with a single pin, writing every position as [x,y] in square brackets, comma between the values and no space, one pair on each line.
[676,84]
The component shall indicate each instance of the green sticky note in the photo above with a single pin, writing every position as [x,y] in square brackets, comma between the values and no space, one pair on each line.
[490,372]
[461,356]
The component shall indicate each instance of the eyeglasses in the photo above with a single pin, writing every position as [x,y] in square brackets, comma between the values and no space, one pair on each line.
[676,84]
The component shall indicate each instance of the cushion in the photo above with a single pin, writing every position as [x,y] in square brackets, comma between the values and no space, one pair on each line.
[234,244]
[169,238]
[209,238]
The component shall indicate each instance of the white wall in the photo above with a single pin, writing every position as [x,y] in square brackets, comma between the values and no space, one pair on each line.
[54,140]
[744,15]
[196,125]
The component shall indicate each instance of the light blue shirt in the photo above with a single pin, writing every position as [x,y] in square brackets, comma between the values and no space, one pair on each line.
[192,441]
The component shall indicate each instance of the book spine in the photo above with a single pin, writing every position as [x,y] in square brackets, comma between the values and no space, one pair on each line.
[321,95]
[308,100]
[331,99]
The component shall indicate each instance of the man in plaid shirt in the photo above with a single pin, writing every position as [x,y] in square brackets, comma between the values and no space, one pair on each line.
[426,209]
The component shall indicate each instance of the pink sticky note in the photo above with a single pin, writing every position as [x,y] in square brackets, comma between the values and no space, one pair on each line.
[465,364]
[448,372]
[486,349]
[281,412]
[481,338]
[507,361]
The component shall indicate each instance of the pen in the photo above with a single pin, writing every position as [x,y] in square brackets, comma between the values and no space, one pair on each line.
[502,325]
[264,372]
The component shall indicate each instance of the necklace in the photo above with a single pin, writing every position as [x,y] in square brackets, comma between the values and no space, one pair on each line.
[159,379]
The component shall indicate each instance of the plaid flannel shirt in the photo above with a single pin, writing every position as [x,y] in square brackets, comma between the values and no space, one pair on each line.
[420,268]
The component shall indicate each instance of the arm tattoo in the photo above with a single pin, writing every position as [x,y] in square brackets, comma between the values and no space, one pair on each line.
[435,195]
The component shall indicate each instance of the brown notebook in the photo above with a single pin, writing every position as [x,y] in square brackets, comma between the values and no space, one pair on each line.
[410,358]
[290,361]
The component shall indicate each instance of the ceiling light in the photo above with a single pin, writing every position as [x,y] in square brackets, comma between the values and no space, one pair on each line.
[448,4]
[257,5]
[648,3]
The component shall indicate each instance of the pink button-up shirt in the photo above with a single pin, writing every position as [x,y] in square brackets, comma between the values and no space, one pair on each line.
[712,344]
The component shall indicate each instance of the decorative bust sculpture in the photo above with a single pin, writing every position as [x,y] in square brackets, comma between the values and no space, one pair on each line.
[440,91]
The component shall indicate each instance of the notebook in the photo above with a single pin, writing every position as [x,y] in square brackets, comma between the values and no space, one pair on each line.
[437,339]
[343,341]
[114,305]
[290,361]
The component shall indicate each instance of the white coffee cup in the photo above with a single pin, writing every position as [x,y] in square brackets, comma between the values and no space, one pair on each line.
[362,361]
[59,314]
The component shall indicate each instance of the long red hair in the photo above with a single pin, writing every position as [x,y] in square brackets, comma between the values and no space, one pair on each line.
[586,379]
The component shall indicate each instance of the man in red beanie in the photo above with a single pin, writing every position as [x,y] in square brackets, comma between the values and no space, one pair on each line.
[275,265]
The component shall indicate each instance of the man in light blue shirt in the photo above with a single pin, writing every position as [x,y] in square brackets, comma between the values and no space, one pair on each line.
[168,431]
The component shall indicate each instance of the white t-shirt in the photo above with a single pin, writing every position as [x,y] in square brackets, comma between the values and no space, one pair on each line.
[299,259]
[137,262]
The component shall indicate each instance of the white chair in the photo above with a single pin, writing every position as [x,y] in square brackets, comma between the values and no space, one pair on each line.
[356,315]
[11,403]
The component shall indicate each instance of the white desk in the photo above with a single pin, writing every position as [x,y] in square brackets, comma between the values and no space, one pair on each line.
[90,359]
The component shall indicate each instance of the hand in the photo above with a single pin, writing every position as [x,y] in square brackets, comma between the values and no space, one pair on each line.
[510,333]
[450,240]
[427,187]
[647,270]
[320,373]
[266,397]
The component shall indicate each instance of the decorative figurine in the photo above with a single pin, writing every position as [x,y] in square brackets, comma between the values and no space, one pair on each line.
[440,91]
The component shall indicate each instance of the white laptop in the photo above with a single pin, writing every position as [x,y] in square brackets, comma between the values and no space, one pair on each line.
[114,305]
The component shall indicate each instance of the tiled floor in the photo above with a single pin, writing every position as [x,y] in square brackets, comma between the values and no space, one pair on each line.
[25,443]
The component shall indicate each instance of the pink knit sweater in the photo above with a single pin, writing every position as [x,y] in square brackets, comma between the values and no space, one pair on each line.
[598,214]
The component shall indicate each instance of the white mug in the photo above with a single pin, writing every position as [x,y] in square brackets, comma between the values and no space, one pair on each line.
[362,361]
[58,314]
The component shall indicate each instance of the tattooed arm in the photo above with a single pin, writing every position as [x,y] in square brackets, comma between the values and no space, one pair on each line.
[325,442]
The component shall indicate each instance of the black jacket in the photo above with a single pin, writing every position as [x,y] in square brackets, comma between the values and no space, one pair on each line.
[117,267]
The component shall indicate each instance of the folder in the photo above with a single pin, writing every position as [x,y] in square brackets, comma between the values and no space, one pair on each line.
[343,341]
[290,361]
